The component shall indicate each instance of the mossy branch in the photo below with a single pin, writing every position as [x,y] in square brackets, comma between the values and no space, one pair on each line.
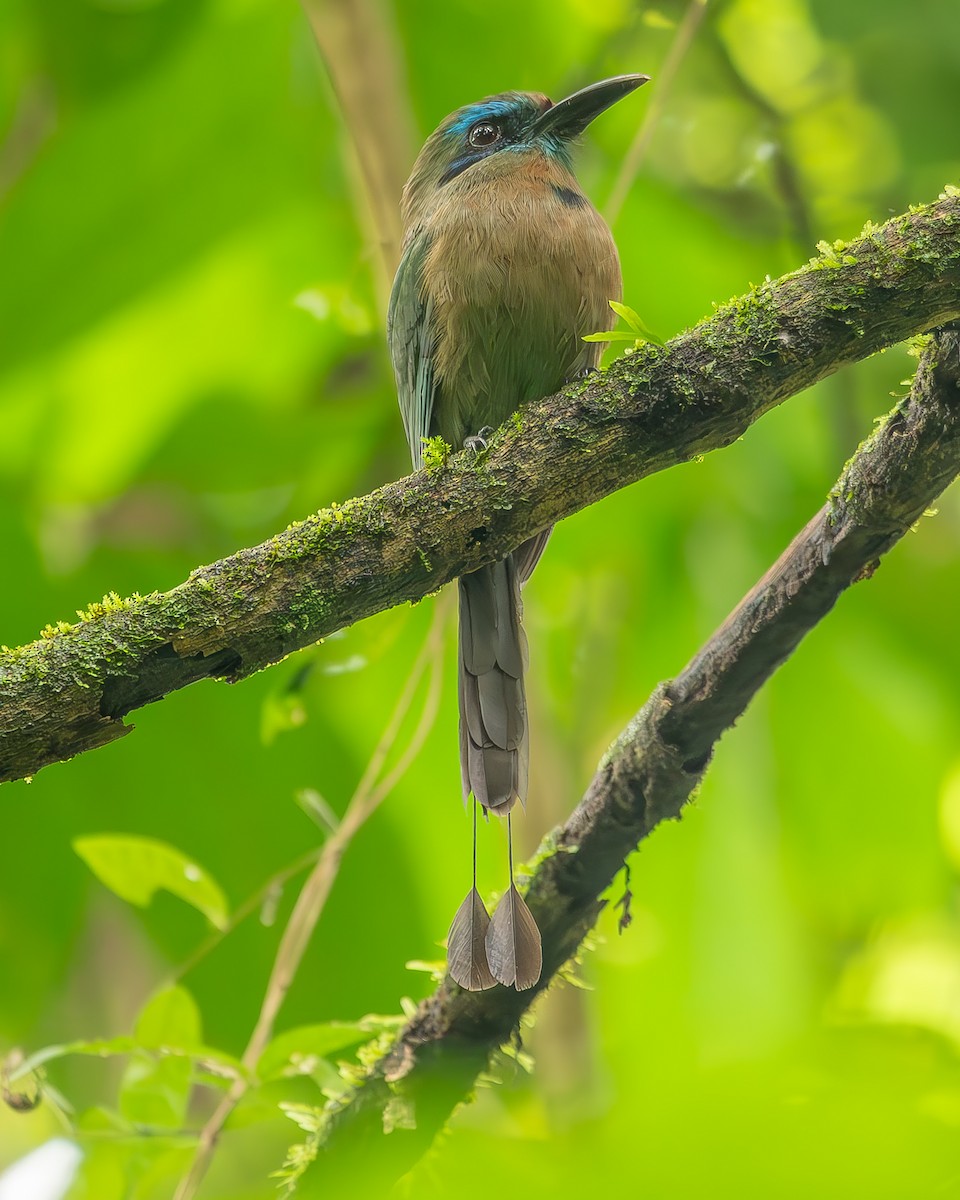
[69,691]
[646,777]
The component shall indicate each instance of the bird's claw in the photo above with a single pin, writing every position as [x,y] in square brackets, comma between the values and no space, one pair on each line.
[478,441]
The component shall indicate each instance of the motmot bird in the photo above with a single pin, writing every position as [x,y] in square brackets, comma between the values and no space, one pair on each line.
[506,265]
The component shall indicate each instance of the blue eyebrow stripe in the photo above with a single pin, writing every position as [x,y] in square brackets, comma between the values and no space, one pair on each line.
[488,110]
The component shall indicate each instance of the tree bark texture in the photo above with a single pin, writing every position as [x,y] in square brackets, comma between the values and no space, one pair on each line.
[649,774]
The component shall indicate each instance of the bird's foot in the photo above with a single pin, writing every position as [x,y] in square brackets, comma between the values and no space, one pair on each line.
[478,441]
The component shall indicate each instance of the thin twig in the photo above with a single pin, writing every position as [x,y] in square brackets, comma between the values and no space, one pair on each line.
[359,49]
[246,908]
[313,895]
[638,148]
[785,173]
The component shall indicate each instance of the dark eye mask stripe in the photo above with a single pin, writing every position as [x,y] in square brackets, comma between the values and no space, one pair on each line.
[459,165]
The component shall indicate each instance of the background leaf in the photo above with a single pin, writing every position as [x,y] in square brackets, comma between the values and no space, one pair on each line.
[136,867]
[156,1091]
[169,1018]
[294,1047]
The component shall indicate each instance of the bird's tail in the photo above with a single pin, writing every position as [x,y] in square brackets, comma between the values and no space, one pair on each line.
[493,707]
[493,761]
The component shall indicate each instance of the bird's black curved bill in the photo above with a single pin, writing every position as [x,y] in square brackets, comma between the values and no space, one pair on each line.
[570,117]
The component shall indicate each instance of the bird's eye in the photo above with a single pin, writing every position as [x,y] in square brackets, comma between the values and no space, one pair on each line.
[484,134]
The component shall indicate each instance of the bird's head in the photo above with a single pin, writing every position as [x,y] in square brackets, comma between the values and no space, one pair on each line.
[507,123]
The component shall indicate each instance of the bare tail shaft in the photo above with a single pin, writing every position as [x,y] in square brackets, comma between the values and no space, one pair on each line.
[467,938]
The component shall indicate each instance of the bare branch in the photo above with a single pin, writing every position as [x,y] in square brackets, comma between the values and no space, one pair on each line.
[69,691]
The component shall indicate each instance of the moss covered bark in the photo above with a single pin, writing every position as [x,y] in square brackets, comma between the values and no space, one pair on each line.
[69,691]
[648,775]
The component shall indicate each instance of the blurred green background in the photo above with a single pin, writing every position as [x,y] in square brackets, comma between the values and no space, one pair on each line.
[191,356]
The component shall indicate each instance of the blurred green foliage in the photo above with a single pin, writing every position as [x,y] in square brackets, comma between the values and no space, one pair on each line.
[191,357]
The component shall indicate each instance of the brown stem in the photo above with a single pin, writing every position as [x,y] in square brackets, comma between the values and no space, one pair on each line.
[633,159]
[247,908]
[359,48]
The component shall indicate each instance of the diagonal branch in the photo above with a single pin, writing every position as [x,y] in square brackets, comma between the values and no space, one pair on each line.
[650,772]
[69,691]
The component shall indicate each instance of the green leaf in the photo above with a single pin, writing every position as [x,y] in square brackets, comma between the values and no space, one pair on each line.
[611,335]
[100,1120]
[103,1173]
[169,1024]
[638,331]
[155,1091]
[213,1066]
[317,809]
[307,1116]
[169,1018]
[291,1052]
[628,314]
[136,867]
[281,713]
[95,1048]
[636,323]
[654,19]
[120,1163]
